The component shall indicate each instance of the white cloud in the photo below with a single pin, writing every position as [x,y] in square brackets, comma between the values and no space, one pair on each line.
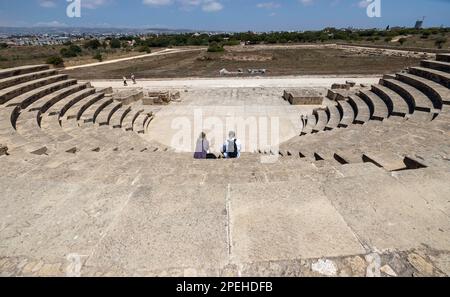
[50,24]
[306,2]
[205,5]
[363,3]
[157,2]
[268,5]
[47,3]
[211,6]
[93,4]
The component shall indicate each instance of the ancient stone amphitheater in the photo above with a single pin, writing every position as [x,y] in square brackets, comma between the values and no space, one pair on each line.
[364,190]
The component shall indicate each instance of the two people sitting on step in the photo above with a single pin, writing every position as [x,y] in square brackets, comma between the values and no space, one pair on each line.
[231,149]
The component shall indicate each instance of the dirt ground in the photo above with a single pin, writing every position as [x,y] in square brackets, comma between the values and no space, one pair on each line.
[32,55]
[279,61]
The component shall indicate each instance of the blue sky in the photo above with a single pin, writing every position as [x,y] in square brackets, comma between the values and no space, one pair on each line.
[230,15]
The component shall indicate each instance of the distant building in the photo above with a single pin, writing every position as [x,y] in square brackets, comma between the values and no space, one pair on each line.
[419,24]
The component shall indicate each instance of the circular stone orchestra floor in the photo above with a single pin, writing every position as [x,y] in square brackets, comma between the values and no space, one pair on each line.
[252,107]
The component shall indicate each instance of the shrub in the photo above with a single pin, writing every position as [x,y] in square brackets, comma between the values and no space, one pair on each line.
[145,49]
[92,44]
[67,53]
[440,42]
[402,40]
[98,56]
[3,45]
[214,47]
[115,43]
[56,61]
[425,35]
[75,48]
[388,39]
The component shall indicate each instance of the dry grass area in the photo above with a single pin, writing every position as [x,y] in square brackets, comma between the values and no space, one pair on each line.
[278,61]
[412,41]
[31,55]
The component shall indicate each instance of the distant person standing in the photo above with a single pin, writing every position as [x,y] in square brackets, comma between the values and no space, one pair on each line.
[232,147]
[125,81]
[133,78]
[202,147]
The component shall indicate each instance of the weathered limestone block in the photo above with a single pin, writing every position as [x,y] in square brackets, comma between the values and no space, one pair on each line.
[340,86]
[163,96]
[129,96]
[303,97]
[107,90]
[151,101]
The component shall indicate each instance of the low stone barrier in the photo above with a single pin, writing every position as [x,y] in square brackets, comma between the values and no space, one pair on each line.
[129,96]
[303,97]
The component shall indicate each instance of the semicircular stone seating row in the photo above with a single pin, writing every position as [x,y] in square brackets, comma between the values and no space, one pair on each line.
[417,94]
[43,111]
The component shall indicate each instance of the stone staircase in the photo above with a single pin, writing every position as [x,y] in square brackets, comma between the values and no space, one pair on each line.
[44,112]
[419,94]
[79,179]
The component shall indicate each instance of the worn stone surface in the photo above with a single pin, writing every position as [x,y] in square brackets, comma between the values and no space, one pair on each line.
[120,198]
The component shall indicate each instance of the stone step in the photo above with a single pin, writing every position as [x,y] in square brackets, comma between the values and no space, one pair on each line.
[436,65]
[60,108]
[8,94]
[322,120]
[360,108]
[75,111]
[118,116]
[128,121]
[443,57]
[310,124]
[29,119]
[334,116]
[396,104]
[414,97]
[377,106]
[107,113]
[139,123]
[437,76]
[437,93]
[349,156]
[15,80]
[22,102]
[347,113]
[9,72]
[147,122]
[389,161]
[88,116]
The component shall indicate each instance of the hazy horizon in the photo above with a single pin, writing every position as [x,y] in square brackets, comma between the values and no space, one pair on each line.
[223,15]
